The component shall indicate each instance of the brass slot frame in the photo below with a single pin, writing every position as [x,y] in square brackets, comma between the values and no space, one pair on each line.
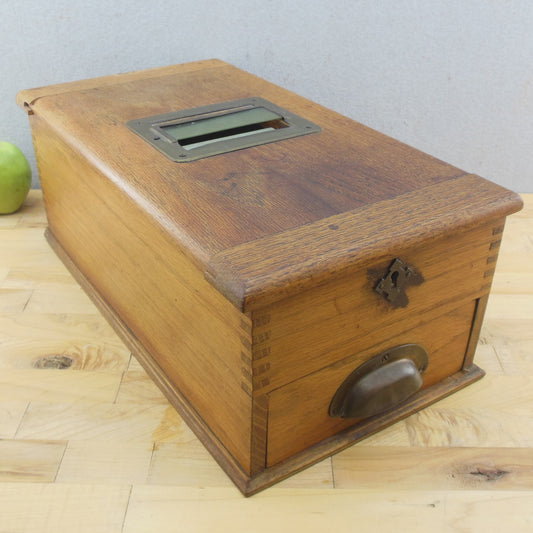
[152,129]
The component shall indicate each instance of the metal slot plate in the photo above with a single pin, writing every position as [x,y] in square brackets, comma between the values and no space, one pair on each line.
[211,130]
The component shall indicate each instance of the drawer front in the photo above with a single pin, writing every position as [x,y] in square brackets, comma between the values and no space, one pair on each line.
[298,412]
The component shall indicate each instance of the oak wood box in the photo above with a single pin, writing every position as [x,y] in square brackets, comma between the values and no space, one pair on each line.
[289,297]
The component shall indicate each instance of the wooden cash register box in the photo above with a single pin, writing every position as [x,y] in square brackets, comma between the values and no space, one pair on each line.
[292,280]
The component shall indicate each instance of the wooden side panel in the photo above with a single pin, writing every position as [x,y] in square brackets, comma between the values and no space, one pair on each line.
[186,411]
[298,412]
[347,316]
[200,340]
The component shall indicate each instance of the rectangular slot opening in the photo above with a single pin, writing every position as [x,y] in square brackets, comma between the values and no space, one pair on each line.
[202,131]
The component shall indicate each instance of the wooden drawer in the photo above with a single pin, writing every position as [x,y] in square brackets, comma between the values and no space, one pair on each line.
[298,412]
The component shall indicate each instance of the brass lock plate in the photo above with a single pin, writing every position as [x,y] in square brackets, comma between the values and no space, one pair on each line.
[206,131]
[399,276]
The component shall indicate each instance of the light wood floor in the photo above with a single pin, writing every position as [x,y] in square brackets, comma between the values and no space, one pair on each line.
[96,447]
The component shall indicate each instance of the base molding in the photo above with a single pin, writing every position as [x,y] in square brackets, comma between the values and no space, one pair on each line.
[360,431]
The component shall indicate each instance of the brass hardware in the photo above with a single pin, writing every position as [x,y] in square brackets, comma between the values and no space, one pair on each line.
[216,129]
[381,383]
[399,276]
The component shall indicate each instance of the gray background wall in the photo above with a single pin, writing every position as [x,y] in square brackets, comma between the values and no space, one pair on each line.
[452,78]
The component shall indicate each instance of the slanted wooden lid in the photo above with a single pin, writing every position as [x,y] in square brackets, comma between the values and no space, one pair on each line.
[271,220]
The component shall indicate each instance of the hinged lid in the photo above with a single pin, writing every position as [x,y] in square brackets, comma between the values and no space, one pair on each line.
[268,220]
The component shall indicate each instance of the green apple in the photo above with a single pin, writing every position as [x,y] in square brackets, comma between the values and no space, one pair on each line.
[15,178]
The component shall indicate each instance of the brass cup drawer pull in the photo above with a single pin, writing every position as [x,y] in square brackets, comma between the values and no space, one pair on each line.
[381,383]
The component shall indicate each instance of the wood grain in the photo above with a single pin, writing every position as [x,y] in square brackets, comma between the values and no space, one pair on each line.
[137,386]
[30,461]
[11,414]
[112,462]
[430,468]
[52,507]
[319,510]
[70,335]
[488,423]
[44,386]
[83,419]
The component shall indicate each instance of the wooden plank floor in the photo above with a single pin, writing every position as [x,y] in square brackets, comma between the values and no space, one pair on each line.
[94,446]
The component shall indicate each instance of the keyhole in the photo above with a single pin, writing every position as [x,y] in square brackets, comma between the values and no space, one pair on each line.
[394,278]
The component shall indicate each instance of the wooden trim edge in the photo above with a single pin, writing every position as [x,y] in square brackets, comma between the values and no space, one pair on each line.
[28,97]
